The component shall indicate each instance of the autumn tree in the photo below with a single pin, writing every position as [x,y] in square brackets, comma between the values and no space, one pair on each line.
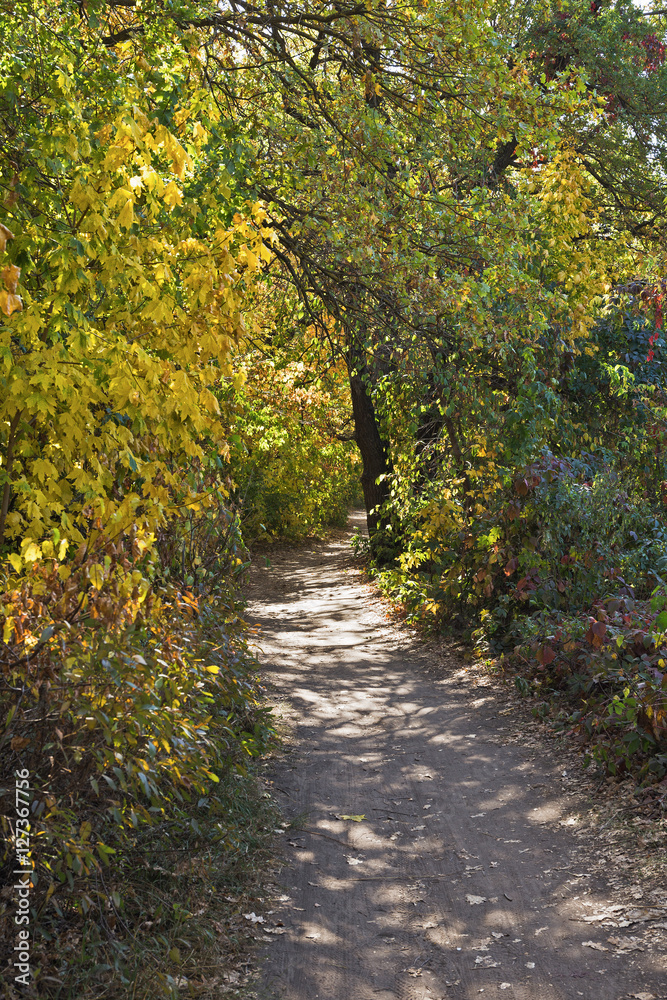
[124,275]
[437,179]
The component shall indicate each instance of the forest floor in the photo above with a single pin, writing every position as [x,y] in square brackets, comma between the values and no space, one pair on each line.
[440,844]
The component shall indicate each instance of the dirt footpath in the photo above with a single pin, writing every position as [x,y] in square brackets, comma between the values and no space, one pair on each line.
[434,854]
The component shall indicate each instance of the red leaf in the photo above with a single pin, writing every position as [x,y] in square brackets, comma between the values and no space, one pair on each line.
[545,655]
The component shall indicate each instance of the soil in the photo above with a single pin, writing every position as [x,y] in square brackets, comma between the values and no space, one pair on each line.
[439,846]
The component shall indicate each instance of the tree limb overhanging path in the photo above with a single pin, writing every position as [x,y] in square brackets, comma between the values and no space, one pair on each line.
[468,874]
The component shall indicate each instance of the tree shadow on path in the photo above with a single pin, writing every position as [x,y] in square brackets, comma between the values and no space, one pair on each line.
[466,876]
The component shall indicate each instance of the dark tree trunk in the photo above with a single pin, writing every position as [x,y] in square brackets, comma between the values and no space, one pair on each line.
[374,451]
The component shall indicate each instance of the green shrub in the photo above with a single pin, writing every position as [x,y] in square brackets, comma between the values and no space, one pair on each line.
[562,534]
[603,677]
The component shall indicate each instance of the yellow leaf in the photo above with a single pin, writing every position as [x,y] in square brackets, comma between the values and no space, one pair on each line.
[32,552]
[7,630]
[172,195]
[251,259]
[209,401]
[355,819]
[126,217]
[179,159]
[96,575]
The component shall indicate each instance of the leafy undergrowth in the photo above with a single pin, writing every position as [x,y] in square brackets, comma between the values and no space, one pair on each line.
[602,679]
[133,714]
[173,923]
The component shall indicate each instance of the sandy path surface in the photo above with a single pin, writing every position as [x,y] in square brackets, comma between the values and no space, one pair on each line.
[466,877]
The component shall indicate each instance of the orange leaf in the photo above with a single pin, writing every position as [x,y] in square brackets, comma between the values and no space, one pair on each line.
[10,303]
[10,276]
[5,234]
[596,633]
[511,566]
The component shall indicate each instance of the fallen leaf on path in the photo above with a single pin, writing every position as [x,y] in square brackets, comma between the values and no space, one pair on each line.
[540,930]
[498,934]
[594,944]
[355,819]
[620,916]
[313,936]
[355,861]
[530,965]
[505,986]
[643,996]
[475,900]
[626,944]
[486,962]
[255,919]
[413,972]
[275,930]
[640,916]
[606,914]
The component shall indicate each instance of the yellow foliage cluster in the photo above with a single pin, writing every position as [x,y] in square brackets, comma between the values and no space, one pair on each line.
[569,217]
[133,283]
